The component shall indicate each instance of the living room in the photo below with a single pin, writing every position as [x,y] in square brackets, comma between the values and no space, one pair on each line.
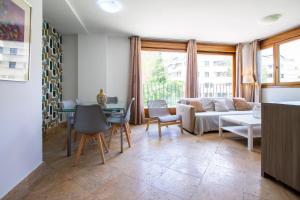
[127,99]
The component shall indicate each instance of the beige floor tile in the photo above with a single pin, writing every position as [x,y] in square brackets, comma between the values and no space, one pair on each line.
[177,183]
[213,191]
[225,177]
[175,167]
[147,172]
[190,166]
[267,189]
[67,190]
[229,162]
[121,188]
[153,193]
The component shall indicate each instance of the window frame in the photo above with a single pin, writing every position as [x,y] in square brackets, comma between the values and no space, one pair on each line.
[233,65]
[274,67]
[181,46]
[275,42]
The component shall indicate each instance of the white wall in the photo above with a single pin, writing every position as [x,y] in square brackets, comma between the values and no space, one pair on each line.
[103,62]
[70,67]
[280,94]
[91,66]
[118,67]
[21,115]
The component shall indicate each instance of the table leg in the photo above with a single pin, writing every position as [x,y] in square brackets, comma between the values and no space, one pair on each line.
[220,127]
[121,132]
[69,145]
[250,138]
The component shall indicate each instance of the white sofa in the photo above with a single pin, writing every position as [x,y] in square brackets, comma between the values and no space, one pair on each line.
[201,122]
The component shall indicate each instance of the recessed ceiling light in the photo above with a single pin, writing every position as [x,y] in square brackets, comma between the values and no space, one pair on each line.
[270,19]
[111,6]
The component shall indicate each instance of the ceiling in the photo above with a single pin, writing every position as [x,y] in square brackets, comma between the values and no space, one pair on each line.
[229,21]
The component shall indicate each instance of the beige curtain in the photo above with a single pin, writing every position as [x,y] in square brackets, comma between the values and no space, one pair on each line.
[254,59]
[191,86]
[239,71]
[135,81]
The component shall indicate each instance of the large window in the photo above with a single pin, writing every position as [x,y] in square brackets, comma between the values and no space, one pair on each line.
[163,76]
[215,75]
[267,65]
[289,62]
[280,60]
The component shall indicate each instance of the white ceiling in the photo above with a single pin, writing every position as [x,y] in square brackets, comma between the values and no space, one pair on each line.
[226,21]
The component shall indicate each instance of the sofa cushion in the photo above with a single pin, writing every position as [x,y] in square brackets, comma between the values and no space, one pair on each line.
[195,103]
[220,105]
[241,104]
[229,103]
[207,104]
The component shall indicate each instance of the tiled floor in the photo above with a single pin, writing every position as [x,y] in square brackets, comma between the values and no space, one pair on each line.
[174,167]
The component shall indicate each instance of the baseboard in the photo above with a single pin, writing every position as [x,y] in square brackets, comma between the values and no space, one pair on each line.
[55,128]
[22,189]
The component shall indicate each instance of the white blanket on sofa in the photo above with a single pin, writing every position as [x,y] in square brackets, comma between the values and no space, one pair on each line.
[209,121]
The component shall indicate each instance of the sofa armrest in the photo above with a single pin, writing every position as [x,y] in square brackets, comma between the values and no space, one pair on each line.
[187,113]
[253,104]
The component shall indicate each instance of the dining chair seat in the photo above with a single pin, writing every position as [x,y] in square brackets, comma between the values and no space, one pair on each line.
[115,119]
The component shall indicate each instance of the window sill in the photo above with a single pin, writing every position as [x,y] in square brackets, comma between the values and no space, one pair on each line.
[286,85]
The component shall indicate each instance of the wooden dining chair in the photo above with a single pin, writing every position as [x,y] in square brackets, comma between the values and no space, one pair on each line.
[121,120]
[91,123]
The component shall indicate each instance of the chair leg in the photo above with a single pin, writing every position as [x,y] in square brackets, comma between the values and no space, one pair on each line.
[85,140]
[79,150]
[128,127]
[127,135]
[181,127]
[111,133]
[99,139]
[104,142]
[75,136]
[159,129]
[148,123]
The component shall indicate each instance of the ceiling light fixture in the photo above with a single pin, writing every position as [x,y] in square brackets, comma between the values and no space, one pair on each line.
[111,6]
[270,19]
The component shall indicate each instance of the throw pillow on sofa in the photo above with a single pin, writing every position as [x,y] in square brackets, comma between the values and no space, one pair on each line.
[241,104]
[220,105]
[197,104]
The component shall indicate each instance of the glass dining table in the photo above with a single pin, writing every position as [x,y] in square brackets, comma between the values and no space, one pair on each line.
[108,109]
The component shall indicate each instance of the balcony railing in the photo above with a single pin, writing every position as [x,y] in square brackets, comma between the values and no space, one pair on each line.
[215,90]
[172,91]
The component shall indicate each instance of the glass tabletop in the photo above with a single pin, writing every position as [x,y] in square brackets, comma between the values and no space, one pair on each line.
[108,108]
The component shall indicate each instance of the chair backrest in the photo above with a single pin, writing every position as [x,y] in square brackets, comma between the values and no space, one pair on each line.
[112,100]
[128,111]
[78,102]
[68,104]
[90,119]
[157,108]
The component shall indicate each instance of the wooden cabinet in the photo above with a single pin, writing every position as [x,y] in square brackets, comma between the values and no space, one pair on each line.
[281,142]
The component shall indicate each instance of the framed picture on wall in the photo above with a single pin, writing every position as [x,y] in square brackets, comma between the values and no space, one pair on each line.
[15,28]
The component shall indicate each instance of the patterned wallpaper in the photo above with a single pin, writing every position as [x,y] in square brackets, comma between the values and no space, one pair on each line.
[52,76]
